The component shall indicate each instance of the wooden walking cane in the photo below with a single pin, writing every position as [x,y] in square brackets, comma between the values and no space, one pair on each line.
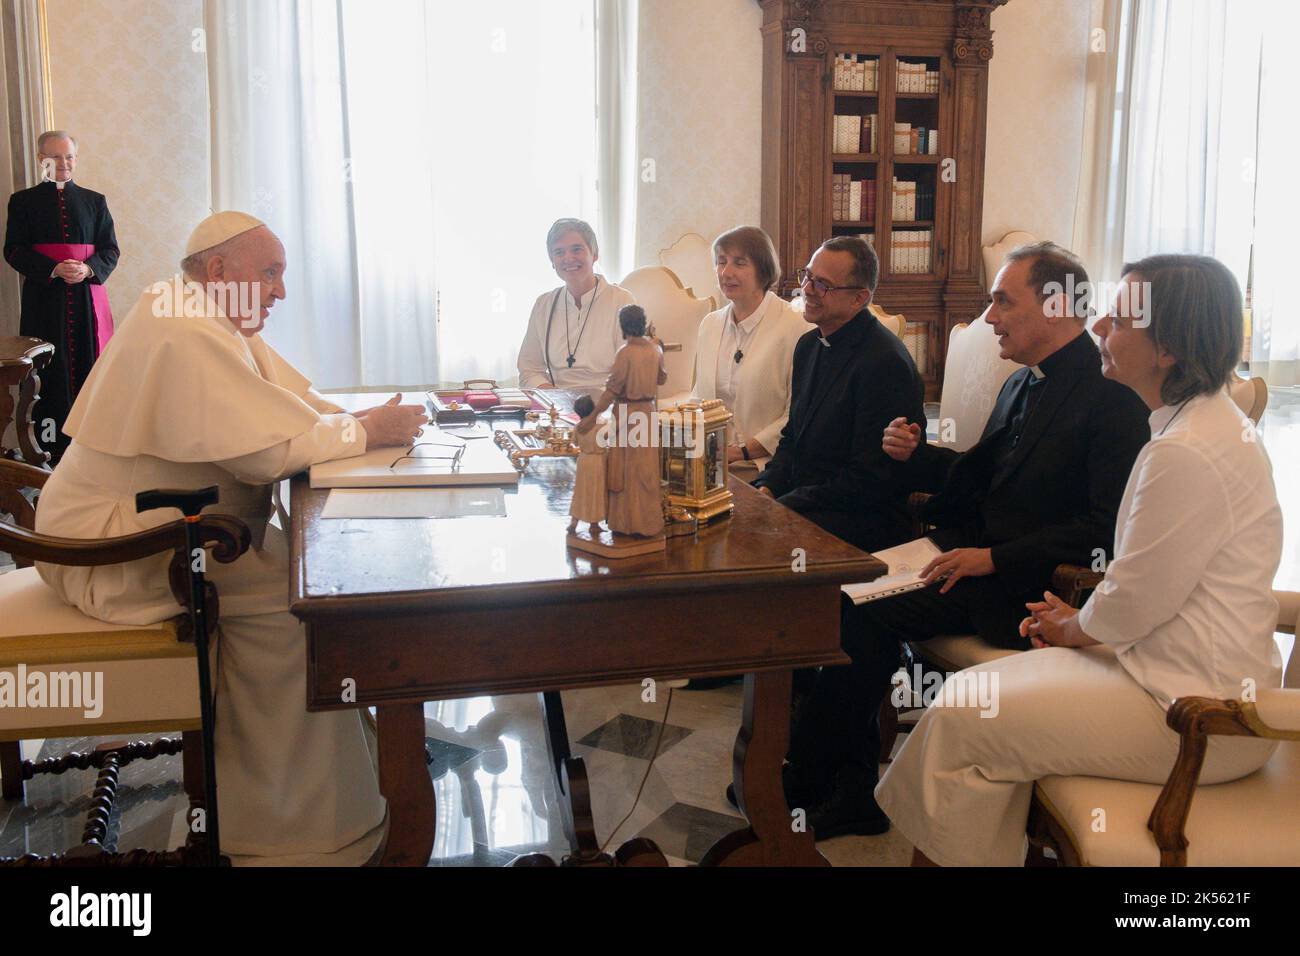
[190,504]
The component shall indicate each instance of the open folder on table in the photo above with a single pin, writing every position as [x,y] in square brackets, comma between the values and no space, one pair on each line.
[439,459]
[905,565]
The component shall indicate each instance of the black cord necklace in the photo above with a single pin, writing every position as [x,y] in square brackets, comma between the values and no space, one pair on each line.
[573,349]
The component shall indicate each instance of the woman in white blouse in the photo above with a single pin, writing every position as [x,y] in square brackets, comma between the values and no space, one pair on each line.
[1185,609]
[745,354]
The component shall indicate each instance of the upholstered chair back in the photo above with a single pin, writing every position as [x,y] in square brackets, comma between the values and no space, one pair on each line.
[972,377]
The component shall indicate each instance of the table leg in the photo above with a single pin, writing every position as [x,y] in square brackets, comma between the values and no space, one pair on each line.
[571,786]
[404,782]
[575,804]
[771,839]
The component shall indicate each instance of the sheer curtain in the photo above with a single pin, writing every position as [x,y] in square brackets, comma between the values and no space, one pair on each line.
[1275,334]
[411,156]
[1187,144]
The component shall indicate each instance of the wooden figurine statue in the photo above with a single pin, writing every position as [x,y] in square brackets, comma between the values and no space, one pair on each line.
[634,511]
[589,489]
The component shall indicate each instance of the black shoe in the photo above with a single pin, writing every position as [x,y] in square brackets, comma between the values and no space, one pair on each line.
[712,683]
[851,808]
[799,792]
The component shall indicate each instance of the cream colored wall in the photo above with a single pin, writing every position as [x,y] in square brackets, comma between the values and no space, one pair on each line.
[701,121]
[700,79]
[1035,122]
[129,85]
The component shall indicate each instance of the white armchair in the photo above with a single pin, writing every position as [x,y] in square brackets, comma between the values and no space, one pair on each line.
[1246,822]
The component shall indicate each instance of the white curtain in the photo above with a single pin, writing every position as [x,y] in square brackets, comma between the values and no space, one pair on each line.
[1187,143]
[411,156]
[1275,334]
[619,164]
[1103,179]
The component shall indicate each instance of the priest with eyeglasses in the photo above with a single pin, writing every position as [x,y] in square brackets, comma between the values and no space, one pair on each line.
[190,395]
[850,380]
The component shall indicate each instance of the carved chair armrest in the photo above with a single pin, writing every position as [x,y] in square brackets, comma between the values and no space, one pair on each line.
[15,478]
[17,475]
[1196,719]
[1070,582]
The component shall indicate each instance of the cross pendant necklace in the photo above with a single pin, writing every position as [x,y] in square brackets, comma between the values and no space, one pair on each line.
[573,349]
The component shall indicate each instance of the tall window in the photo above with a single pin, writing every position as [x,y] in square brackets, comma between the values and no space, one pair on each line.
[1198,153]
[411,156]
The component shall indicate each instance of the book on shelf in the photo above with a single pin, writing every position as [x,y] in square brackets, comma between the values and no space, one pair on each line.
[933,146]
[916,78]
[903,206]
[902,138]
[856,73]
[909,251]
[867,141]
[852,200]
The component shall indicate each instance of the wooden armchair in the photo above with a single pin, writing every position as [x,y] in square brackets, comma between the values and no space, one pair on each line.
[1246,822]
[150,681]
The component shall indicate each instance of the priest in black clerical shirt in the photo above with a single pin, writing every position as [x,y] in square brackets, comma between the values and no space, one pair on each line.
[1040,488]
[60,238]
[851,378]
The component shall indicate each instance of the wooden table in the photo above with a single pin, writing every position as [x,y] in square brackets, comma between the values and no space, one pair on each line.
[417,610]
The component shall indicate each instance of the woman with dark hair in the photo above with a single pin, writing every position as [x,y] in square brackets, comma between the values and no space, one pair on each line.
[1186,607]
[745,352]
[635,505]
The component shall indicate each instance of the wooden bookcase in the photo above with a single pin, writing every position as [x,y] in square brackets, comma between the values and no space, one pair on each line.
[801,40]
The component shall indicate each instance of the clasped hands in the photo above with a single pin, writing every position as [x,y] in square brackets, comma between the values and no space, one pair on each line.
[392,423]
[71,271]
[1053,623]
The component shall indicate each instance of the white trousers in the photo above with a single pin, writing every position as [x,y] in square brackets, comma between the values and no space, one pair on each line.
[961,785]
[289,781]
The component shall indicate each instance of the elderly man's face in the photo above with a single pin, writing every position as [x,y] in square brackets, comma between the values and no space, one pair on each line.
[256,265]
[58,159]
[1018,317]
[572,259]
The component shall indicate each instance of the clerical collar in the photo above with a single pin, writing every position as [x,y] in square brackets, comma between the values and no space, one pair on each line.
[849,332]
[1079,351]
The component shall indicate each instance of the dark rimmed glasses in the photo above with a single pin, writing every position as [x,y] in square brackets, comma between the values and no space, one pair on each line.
[822,286]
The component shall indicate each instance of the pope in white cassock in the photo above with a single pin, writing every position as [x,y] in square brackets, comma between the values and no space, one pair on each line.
[189,395]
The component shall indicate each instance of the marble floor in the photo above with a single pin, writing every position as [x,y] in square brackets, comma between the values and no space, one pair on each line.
[495,793]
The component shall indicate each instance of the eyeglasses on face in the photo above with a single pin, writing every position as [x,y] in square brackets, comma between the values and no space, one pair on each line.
[822,286]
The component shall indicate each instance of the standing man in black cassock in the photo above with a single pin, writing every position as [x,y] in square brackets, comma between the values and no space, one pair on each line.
[60,238]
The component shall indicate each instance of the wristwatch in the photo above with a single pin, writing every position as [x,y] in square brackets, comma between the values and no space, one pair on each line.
[744,450]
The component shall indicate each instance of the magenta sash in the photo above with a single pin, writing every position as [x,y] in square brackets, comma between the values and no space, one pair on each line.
[59,251]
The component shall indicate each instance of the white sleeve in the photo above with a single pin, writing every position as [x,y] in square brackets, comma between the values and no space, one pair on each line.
[532,360]
[320,403]
[1180,517]
[334,436]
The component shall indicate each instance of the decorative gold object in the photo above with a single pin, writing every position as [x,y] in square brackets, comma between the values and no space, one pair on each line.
[693,457]
[552,438]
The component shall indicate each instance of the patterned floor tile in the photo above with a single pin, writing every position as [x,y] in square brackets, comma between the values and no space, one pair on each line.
[634,736]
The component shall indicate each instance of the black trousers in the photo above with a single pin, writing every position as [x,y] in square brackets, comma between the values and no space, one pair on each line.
[838,724]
